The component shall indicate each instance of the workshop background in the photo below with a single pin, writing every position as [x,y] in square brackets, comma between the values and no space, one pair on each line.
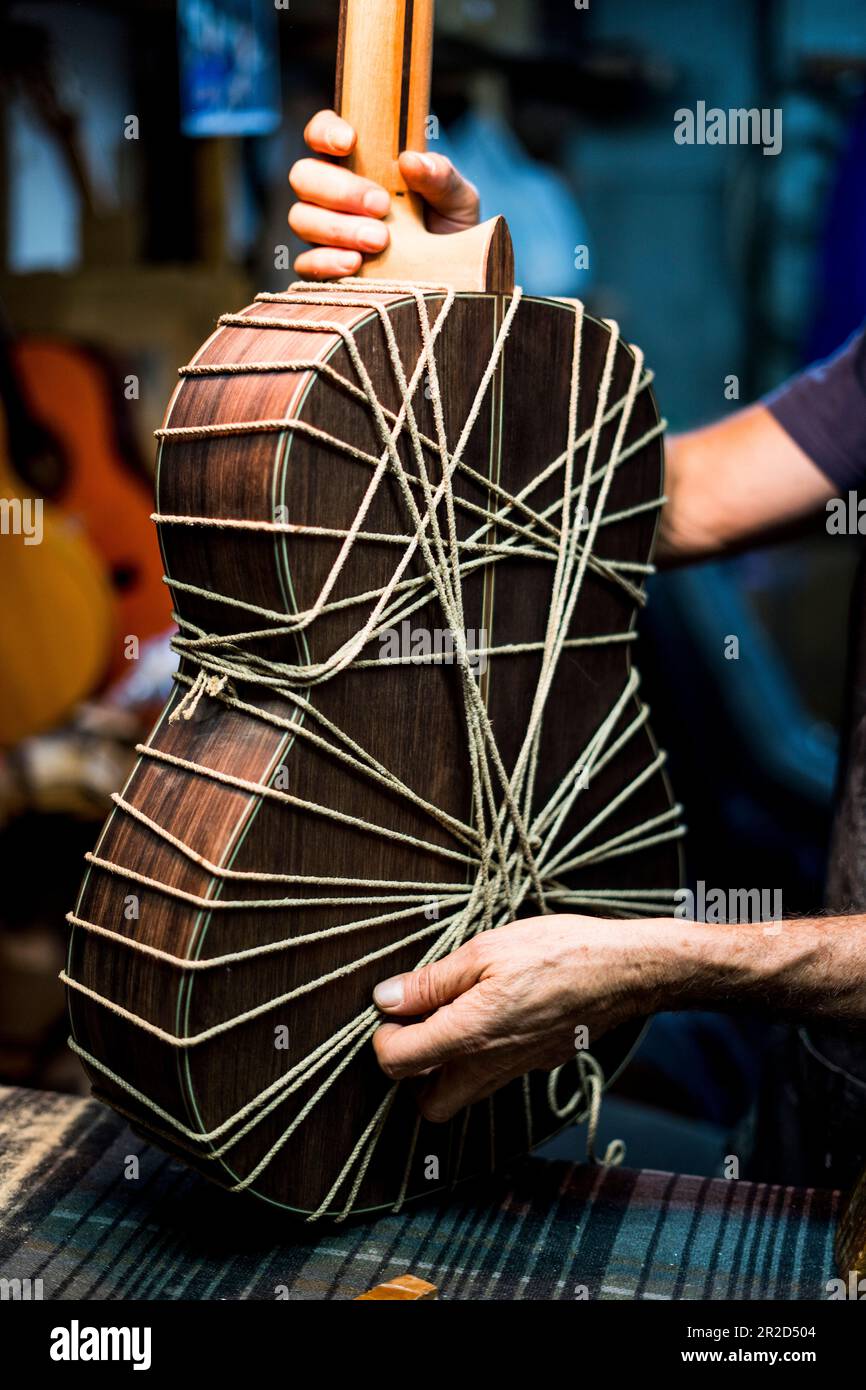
[144,149]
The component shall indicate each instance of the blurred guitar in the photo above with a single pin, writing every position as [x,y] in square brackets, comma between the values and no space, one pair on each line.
[56,614]
[67,393]
[68,390]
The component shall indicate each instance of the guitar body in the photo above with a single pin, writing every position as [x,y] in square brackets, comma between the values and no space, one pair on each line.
[409,717]
[68,392]
[56,626]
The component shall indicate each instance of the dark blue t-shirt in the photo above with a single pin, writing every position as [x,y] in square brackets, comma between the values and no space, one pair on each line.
[824,411]
[811,1123]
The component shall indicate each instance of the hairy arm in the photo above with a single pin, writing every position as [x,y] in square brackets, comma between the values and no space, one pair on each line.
[510,1000]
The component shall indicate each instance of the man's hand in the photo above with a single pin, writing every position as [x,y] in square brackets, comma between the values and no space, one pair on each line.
[341,212]
[509,1000]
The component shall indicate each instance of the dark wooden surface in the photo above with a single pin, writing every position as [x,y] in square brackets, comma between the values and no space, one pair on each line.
[408,717]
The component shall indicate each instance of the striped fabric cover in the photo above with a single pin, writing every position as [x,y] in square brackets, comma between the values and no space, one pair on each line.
[69,1217]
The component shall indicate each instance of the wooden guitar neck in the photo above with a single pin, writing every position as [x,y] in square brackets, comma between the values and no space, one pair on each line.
[383,90]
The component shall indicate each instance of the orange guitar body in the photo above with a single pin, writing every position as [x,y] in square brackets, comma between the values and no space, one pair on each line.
[69,393]
[56,619]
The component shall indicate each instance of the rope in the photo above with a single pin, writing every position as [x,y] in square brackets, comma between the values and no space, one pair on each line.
[509,845]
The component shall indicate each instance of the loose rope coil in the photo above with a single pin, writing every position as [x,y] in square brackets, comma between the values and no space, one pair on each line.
[508,845]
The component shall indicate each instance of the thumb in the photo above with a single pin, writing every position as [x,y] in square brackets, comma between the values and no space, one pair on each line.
[425,990]
[453,203]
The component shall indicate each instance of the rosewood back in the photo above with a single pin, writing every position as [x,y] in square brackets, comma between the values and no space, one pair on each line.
[249,1067]
[408,717]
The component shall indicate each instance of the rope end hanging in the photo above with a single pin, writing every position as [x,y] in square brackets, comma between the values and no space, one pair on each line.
[202,685]
[592,1088]
[590,1092]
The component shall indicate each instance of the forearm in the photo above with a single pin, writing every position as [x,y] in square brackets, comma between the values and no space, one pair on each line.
[734,482]
[512,999]
[806,968]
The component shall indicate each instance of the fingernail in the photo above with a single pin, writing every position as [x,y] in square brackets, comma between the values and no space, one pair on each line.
[425,160]
[346,264]
[374,237]
[389,993]
[376,201]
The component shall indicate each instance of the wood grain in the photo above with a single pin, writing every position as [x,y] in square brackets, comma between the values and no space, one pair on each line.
[405,1288]
[384,55]
[407,717]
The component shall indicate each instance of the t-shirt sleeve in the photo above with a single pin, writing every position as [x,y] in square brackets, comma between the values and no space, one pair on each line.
[824,411]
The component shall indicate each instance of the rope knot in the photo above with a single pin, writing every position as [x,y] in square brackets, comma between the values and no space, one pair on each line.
[202,685]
